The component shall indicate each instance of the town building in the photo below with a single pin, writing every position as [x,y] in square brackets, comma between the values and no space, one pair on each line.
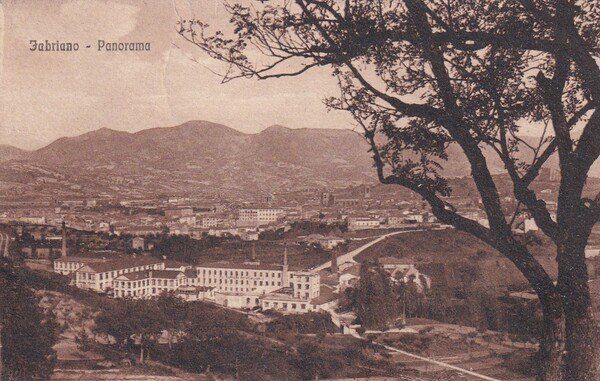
[259,216]
[147,283]
[138,243]
[68,265]
[327,242]
[238,285]
[99,276]
[209,222]
[245,285]
[361,223]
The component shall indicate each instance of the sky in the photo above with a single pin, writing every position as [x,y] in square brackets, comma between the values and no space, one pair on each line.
[48,95]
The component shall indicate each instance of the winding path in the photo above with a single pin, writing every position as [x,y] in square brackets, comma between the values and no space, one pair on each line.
[4,242]
[349,256]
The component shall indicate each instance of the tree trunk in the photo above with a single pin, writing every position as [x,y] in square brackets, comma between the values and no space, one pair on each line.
[141,354]
[583,349]
[552,345]
[582,332]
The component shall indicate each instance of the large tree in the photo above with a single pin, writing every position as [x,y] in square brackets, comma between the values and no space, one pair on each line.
[132,320]
[28,332]
[420,76]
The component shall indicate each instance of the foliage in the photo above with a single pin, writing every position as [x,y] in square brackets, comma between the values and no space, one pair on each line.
[376,303]
[420,77]
[311,322]
[83,340]
[28,333]
[184,248]
[132,320]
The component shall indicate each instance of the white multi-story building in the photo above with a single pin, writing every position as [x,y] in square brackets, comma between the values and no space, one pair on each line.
[259,216]
[237,285]
[68,265]
[209,222]
[359,223]
[99,276]
[247,285]
[148,283]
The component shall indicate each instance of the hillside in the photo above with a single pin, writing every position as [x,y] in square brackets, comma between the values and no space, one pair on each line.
[438,254]
[198,157]
[10,153]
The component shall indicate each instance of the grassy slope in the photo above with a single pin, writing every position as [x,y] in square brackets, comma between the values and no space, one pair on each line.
[439,250]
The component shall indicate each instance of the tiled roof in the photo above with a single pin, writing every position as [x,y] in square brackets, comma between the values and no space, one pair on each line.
[165,274]
[80,259]
[326,295]
[124,263]
[241,266]
[136,275]
[153,274]
[169,263]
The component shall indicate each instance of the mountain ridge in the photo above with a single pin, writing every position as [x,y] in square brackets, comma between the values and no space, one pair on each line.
[202,154]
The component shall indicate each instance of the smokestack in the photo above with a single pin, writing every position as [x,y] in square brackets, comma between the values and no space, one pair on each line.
[63,250]
[253,257]
[285,279]
[334,264]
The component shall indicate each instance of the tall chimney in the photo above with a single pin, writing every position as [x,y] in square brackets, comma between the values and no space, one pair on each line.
[63,250]
[334,264]
[285,279]
[253,258]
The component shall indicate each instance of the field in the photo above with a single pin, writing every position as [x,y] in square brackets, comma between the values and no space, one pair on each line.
[442,246]
[485,353]
[302,256]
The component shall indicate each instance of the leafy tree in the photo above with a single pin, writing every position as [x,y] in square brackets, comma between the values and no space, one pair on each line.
[132,320]
[409,297]
[375,300]
[423,76]
[83,340]
[174,310]
[313,362]
[28,333]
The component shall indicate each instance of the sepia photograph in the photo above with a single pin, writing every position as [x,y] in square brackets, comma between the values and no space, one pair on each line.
[289,190]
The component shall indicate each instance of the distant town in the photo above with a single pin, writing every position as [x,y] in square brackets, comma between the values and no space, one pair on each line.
[293,249]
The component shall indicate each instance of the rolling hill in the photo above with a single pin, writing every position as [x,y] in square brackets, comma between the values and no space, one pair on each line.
[200,155]
[10,153]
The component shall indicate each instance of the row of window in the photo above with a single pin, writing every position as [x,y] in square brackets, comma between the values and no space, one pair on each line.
[236,273]
[148,282]
[240,282]
[284,306]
